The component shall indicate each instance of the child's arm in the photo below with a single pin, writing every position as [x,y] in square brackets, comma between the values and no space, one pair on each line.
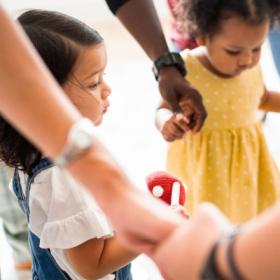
[98,257]
[171,125]
[270,101]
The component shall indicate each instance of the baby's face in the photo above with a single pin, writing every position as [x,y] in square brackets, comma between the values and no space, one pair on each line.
[236,46]
[86,87]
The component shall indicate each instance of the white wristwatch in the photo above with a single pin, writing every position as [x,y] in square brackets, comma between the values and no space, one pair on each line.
[79,141]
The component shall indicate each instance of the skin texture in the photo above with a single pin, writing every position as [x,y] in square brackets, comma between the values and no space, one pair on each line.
[254,249]
[86,87]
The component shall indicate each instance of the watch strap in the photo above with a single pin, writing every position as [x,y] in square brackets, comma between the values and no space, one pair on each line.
[210,270]
[169,59]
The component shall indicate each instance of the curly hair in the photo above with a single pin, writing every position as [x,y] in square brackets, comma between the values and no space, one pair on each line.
[57,38]
[203,17]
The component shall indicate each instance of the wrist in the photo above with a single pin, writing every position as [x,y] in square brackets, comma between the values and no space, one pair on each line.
[226,261]
[166,71]
[220,263]
[169,60]
[162,116]
[222,260]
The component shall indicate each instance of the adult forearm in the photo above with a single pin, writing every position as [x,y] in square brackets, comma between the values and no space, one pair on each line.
[114,5]
[141,20]
[30,99]
[256,251]
[101,175]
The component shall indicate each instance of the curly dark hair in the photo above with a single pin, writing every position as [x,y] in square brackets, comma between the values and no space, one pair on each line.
[203,17]
[57,38]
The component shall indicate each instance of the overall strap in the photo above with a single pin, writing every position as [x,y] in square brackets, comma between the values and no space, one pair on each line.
[42,165]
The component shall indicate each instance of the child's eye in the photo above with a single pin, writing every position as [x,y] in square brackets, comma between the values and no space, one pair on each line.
[230,52]
[256,49]
[93,86]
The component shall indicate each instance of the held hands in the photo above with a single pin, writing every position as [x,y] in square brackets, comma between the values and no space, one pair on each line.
[175,127]
[183,254]
[182,97]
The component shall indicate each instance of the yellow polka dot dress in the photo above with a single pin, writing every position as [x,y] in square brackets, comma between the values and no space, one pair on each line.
[228,162]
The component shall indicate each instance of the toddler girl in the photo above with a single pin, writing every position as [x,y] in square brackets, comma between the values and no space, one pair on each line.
[69,236]
[228,162]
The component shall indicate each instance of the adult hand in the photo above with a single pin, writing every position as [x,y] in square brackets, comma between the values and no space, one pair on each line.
[183,254]
[142,221]
[182,97]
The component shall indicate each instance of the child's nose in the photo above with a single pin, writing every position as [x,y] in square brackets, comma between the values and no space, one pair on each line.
[246,59]
[106,91]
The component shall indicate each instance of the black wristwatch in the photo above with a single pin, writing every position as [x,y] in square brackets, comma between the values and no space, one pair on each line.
[210,270]
[169,59]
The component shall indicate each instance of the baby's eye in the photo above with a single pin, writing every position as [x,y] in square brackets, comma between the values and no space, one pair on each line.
[93,86]
[256,50]
[230,52]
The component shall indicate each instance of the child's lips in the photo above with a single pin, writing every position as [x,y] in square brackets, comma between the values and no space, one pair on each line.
[105,109]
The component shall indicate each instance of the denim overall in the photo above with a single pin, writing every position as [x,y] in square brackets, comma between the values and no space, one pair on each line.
[44,266]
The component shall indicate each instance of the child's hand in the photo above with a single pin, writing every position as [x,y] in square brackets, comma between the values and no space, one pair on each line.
[175,127]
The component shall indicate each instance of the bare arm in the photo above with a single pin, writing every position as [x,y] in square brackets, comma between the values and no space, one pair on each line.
[270,102]
[141,20]
[256,251]
[98,257]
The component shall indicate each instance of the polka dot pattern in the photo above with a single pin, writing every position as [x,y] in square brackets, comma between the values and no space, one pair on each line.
[228,162]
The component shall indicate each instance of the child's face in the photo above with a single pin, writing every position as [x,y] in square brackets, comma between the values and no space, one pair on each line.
[86,87]
[235,47]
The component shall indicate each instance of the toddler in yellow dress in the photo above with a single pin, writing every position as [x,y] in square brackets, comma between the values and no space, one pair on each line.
[227,162]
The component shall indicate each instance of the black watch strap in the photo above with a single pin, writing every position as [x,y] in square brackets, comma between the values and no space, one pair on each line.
[210,270]
[169,59]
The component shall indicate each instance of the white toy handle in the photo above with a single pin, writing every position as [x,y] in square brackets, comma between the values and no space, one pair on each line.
[175,194]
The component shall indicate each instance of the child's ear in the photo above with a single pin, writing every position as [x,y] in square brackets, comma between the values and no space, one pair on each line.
[200,40]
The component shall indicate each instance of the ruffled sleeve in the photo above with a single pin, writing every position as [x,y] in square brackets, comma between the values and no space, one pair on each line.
[62,213]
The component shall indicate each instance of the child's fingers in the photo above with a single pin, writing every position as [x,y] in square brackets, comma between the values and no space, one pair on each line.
[176,130]
[172,132]
[182,122]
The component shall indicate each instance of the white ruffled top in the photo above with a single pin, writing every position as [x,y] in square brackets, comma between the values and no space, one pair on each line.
[63,215]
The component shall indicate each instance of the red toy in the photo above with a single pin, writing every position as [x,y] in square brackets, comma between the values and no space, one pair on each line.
[166,187]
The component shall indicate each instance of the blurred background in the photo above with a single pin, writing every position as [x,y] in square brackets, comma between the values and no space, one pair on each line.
[128,129]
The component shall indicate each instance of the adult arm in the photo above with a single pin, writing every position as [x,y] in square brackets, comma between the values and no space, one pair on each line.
[141,20]
[36,106]
[255,250]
